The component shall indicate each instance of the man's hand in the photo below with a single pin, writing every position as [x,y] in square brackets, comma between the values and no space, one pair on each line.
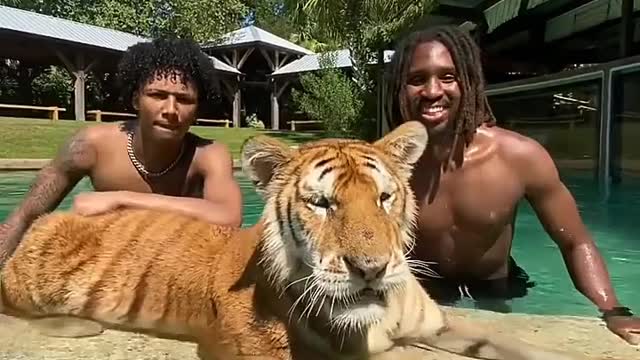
[627,327]
[95,203]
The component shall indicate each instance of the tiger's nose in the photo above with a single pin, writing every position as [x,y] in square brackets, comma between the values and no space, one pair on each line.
[367,267]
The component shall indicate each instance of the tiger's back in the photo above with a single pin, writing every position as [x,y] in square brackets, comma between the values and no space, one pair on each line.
[139,269]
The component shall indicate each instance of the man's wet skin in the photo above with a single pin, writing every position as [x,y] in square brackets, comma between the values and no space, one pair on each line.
[160,137]
[471,178]
[153,162]
[466,216]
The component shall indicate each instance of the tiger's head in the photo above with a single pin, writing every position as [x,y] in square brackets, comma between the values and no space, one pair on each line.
[338,217]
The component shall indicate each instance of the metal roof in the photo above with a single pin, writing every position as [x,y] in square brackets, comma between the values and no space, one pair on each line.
[46,26]
[253,34]
[223,66]
[62,29]
[311,63]
[584,17]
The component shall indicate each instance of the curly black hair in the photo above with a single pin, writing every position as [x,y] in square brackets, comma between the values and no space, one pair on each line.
[474,106]
[166,57]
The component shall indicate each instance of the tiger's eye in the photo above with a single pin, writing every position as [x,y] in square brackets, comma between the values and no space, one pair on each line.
[321,202]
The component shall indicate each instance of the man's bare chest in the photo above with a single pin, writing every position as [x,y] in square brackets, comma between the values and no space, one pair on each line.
[472,201]
[122,175]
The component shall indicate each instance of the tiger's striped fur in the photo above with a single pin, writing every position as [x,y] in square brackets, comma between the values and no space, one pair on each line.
[322,275]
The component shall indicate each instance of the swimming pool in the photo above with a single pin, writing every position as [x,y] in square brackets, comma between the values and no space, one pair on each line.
[612,222]
[14,185]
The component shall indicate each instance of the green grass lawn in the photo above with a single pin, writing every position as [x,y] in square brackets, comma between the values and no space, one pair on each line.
[40,138]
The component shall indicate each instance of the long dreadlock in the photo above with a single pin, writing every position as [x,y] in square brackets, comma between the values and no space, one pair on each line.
[474,105]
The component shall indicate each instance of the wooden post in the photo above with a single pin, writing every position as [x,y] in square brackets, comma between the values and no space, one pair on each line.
[236,61]
[79,94]
[276,92]
[237,103]
[275,107]
[55,114]
[233,95]
[79,71]
[275,63]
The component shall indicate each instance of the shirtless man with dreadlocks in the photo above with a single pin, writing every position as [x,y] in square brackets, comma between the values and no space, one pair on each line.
[473,174]
[153,162]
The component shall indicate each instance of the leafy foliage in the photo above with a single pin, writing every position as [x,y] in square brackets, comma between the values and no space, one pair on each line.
[206,20]
[203,20]
[53,86]
[331,97]
[375,22]
[365,28]
[361,26]
[278,18]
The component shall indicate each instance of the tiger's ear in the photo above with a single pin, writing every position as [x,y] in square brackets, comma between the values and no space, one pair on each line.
[406,143]
[261,158]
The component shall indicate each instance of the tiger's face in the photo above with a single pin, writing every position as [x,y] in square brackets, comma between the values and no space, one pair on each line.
[339,218]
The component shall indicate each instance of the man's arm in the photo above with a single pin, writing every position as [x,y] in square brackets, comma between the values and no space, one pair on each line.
[556,208]
[222,198]
[52,183]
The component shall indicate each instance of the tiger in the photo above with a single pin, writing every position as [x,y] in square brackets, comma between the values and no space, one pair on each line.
[323,274]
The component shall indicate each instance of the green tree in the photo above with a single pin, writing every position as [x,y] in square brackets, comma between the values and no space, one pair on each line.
[272,16]
[53,86]
[331,97]
[207,20]
[203,20]
[365,28]
[276,17]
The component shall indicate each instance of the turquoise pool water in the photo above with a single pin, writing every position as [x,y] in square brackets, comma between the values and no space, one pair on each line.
[612,222]
[15,184]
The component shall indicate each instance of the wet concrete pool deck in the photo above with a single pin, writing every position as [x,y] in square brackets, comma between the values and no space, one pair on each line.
[587,337]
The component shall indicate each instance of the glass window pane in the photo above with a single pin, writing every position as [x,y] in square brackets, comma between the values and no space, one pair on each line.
[564,119]
[625,126]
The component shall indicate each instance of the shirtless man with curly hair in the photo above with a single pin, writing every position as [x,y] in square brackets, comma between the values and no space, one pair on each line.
[151,162]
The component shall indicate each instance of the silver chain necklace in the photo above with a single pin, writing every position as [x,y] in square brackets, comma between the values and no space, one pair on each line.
[140,167]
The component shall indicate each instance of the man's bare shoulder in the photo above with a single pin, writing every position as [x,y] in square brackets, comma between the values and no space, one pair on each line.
[100,133]
[79,150]
[515,146]
[211,153]
[94,137]
[82,148]
[524,154]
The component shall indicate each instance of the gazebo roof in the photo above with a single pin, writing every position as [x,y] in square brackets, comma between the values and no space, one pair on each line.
[311,62]
[253,35]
